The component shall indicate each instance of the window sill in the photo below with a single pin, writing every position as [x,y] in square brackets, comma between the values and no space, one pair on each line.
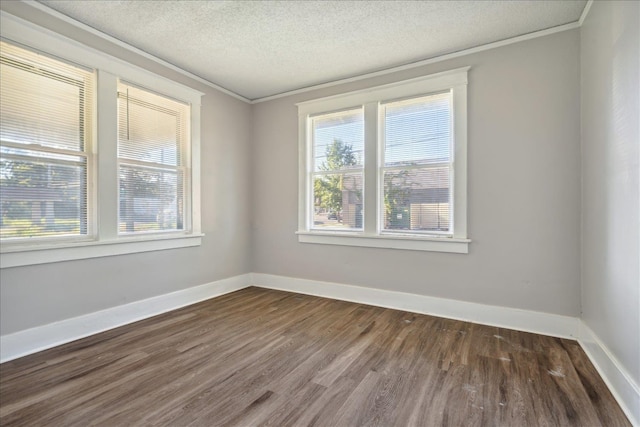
[413,243]
[42,254]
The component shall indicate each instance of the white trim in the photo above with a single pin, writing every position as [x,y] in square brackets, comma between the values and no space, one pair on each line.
[31,255]
[106,154]
[131,48]
[194,181]
[446,57]
[585,12]
[459,182]
[504,317]
[388,241]
[40,338]
[618,380]
[372,154]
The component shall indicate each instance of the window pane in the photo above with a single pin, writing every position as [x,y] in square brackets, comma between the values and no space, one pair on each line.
[338,201]
[41,198]
[43,101]
[418,131]
[151,128]
[45,113]
[417,200]
[152,131]
[338,141]
[150,199]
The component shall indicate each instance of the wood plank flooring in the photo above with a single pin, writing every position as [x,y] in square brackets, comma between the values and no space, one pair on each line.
[263,357]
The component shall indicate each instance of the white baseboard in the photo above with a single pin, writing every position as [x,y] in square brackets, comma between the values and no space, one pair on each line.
[512,318]
[43,337]
[620,383]
[622,386]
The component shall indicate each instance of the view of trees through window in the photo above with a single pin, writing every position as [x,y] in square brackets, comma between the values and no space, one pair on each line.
[414,192]
[45,112]
[45,169]
[338,162]
[152,133]
[41,199]
[338,197]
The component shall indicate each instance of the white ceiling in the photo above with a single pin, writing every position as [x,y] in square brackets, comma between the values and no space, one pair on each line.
[262,48]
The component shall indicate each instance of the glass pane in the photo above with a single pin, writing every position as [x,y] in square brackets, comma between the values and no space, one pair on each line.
[417,200]
[151,128]
[39,107]
[338,201]
[338,141]
[418,131]
[41,198]
[150,200]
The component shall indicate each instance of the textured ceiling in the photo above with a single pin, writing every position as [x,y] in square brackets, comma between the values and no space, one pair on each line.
[262,48]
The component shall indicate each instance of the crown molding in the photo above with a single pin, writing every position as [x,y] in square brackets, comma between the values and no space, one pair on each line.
[570,26]
[435,59]
[585,12]
[61,16]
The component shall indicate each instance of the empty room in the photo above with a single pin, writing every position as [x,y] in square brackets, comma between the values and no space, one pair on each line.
[319,213]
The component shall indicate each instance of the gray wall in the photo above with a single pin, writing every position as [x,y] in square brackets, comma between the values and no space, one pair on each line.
[36,295]
[524,199]
[610,57]
[524,193]
[524,188]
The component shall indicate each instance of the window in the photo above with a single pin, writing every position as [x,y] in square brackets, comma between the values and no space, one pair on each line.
[416,168]
[97,157]
[386,167]
[152,142]
[338,148]
[46,116]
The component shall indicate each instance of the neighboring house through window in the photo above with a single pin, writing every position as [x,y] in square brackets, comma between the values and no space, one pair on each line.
[386,166]
[97,157]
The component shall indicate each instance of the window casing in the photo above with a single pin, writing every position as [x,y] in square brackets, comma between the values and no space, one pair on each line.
[408,173]
[88,218]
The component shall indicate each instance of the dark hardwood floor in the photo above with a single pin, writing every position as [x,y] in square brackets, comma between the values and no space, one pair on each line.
[263,357]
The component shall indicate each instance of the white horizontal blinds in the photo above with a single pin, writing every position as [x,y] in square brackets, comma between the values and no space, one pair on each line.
[337,170]
[418,165]
[152,155]
[45,132]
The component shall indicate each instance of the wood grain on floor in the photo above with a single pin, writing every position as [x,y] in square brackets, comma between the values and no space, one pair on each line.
[264,357]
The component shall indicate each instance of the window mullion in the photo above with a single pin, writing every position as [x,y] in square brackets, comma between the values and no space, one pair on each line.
[107,175]
[370,168]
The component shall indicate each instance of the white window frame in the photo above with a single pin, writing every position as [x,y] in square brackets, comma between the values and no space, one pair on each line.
[102,156]
[370,99]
